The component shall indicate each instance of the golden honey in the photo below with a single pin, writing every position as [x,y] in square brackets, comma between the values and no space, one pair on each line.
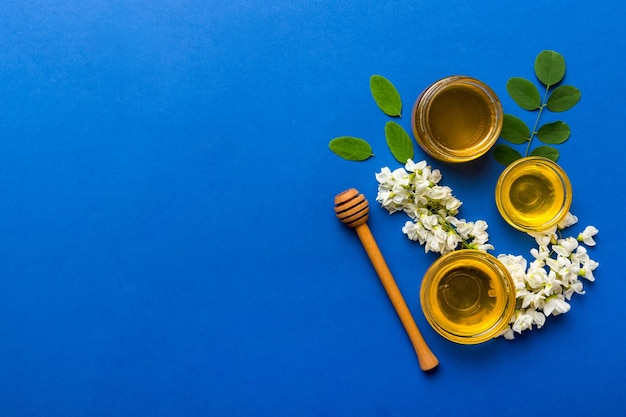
[457,119]
[468,296]
[533,194]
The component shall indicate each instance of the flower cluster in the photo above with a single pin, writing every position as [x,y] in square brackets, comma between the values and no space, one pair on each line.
[415,190]
[545,285]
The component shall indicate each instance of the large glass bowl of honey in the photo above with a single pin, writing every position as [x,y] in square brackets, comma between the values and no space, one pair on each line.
[468,296]
[457,119]
[533,194]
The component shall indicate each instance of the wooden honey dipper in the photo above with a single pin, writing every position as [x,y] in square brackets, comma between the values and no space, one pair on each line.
[352,209]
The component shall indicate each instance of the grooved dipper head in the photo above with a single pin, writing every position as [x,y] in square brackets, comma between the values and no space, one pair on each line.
[351,208]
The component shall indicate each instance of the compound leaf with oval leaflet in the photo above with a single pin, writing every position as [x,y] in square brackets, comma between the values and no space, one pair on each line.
[549,67]
[505,154]
[351,148]
[514,130]
[385,95]
[399,142]
[524,92]
[563,98]
[547,152]
[554,133]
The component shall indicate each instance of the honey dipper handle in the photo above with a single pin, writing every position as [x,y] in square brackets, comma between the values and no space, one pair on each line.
[427,360]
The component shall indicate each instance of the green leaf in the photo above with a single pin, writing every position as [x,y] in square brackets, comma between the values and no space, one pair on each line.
[563,98]
[505,154]
[399,142]
[514,130]
[550,67]
[524,92]
[547,152]
[554,133]
[386,96]
[351,148]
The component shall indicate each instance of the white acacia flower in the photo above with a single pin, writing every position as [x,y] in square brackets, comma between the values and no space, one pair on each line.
[536,276]
[516,265]
[544,239]
[384,177]
[434,176]
[414,167]
[429,222]
[435,244]
[419,189]
[483,247]
[539,319]
[479,231]
[540,254]
[400,175]
[568,220]
[587,273]
[564,268]
[439,193]
[453,240]
[415,231]
[520,288]
[574,287]
[508,333]
[555,305]
[463,228]
[410,209]
[532,299]
[384,197]
[565,247]
[552,284]
[587,265]
[522,322]
[587,236]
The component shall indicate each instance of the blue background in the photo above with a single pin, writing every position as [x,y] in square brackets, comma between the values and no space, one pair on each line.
[168,245]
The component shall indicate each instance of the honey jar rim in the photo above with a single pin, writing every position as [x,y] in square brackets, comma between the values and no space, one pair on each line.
[488,261]
[436,149]
[565,204]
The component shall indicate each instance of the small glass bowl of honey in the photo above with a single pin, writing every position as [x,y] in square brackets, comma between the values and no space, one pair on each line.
[457,119]
[533,194]
[468,296]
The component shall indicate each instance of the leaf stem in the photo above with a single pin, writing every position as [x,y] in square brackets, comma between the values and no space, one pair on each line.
[534,131]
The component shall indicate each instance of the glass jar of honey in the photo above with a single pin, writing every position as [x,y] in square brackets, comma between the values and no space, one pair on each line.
[533,194]
[457,119]
[468,296]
